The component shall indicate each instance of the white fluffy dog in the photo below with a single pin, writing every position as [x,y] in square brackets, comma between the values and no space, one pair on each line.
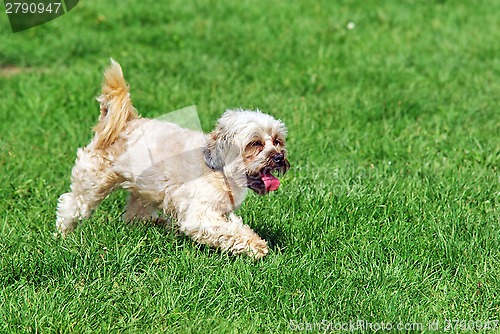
[198,179]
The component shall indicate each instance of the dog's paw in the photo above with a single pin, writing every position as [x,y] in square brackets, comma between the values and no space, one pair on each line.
[258,249]
[253,246]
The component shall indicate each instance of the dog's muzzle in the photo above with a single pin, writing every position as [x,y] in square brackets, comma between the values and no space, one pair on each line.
[265,182]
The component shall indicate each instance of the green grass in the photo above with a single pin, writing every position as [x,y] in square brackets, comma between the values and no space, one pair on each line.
[389,214]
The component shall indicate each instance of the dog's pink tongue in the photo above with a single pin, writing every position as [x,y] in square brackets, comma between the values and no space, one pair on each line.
[271,182]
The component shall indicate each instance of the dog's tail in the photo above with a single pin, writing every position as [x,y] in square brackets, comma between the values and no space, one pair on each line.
[116,106]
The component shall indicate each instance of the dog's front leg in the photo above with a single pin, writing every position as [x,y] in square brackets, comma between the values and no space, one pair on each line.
[226,232]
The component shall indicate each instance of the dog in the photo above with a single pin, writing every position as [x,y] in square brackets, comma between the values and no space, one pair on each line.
[195,178]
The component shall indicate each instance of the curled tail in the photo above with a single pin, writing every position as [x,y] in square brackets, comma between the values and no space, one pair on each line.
[116,106]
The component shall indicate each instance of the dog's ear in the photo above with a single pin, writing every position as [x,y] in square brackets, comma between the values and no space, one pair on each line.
[220,150]
[213,151]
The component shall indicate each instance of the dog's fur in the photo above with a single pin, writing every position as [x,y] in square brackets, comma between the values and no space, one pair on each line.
[197,179]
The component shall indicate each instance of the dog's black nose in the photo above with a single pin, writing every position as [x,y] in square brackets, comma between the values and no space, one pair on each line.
[278,158]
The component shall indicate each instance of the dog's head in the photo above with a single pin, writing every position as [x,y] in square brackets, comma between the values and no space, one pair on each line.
[250,146]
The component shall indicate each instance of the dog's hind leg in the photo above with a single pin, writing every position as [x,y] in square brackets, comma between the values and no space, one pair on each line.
[138,209]
[141,210]
[91,182]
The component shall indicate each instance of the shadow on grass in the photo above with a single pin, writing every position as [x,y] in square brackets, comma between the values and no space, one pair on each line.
[273,237]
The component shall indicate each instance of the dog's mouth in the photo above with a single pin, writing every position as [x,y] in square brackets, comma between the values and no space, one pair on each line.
[265,180]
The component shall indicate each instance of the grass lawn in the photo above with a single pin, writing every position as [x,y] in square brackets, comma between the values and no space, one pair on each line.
[390,213]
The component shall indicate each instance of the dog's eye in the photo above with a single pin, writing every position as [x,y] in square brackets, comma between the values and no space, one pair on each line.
[256,144]
[277,142]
